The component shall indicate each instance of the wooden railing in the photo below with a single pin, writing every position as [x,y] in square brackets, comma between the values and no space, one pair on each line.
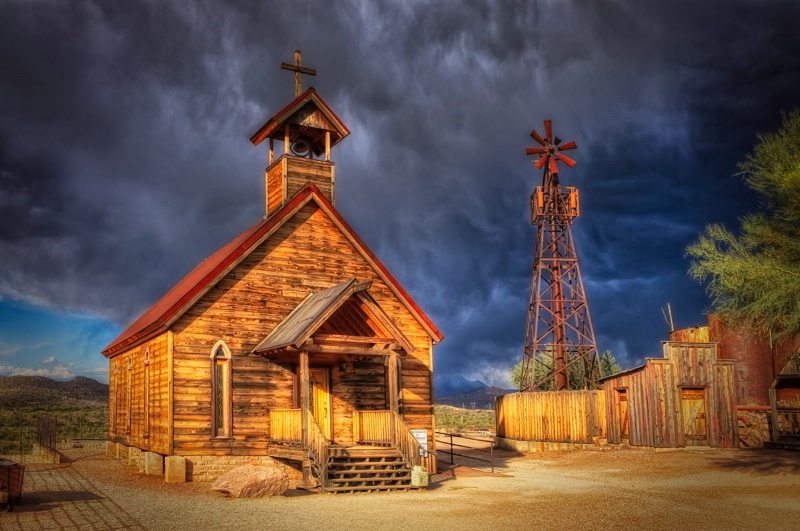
[788,422]
[404,441]
[386,427]
[318,446]
[285,426]
[372,427]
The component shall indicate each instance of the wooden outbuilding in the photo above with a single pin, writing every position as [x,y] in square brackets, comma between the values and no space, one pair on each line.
[685,398]
[291,346]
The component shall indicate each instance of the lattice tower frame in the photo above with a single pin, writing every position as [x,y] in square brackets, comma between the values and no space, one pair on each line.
[560,349]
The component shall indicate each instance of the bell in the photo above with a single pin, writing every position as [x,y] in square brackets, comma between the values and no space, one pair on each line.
[300,148]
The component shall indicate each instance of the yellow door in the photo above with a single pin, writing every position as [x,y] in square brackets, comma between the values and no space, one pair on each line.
[622,414]
[321,399]
[693,403]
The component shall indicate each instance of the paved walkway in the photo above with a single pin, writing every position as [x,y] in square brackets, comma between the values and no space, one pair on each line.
[60,497]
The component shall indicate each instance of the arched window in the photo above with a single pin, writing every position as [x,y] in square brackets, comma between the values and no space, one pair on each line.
[221,390]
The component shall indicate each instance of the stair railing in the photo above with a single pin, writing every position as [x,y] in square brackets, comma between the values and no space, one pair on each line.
[318,451]
[404,441]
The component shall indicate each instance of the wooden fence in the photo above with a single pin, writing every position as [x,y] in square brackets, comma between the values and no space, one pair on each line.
[552,416]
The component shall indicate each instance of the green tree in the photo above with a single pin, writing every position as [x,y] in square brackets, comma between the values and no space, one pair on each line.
[754,277]
[608,366]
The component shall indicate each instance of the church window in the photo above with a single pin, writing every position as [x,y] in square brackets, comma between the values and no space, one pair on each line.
[221,390]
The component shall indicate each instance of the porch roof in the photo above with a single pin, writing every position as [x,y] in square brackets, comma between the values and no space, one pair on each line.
[312,314]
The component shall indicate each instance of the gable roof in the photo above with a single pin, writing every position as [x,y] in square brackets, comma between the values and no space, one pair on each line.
[159,317]
[305,113]
[308,316]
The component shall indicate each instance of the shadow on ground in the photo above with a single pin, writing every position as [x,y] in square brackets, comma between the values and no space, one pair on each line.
[761,461]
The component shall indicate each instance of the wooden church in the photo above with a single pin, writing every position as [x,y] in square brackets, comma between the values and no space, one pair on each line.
[291,346]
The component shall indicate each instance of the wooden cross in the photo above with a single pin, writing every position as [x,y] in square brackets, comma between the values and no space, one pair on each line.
[298,71]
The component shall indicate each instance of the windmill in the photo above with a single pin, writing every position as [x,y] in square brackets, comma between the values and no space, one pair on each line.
[560,349]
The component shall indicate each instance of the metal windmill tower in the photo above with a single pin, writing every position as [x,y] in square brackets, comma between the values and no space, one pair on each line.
[560,349]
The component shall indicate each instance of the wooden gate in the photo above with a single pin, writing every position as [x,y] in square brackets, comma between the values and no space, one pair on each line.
[693,405]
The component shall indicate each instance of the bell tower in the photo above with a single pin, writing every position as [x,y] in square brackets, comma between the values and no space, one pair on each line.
[308,129]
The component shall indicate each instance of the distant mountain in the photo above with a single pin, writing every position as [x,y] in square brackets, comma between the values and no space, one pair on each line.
[36,391]
[481,398]
[444,385]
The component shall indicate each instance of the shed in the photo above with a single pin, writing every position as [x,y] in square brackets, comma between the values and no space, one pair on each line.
[684,399]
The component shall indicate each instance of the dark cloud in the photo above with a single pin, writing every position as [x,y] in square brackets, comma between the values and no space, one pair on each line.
[124,157]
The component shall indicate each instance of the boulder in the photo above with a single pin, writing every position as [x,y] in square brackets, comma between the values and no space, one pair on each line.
[252,481]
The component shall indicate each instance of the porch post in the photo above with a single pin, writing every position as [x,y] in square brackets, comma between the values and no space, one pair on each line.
[304,398]
[392,383]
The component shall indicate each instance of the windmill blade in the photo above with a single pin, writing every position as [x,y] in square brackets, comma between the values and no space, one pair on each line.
[553,165]
[540,163]
[566,160]
[535,151]
[537,137]
[548,130]
[569,145]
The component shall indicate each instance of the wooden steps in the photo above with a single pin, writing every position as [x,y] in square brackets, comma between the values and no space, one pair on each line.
[367,468]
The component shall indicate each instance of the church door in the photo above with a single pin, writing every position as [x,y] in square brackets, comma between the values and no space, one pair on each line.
[321,399]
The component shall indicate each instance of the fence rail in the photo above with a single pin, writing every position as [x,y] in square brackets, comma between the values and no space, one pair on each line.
[452,453]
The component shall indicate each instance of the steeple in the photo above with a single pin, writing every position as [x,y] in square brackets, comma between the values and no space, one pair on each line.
[308,128]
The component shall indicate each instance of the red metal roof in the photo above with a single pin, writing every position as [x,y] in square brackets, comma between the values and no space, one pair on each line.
[310,95]
[176,301]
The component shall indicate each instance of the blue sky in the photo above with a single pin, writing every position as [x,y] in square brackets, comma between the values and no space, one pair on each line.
[125,160]
[38,341]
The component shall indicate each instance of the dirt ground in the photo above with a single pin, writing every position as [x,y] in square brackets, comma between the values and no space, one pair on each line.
[589,489]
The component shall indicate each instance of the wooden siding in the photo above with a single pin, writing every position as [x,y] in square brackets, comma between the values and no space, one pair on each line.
[300,171]
[275,185]
[307,253]
[139,397]
[655,393]
[553,416]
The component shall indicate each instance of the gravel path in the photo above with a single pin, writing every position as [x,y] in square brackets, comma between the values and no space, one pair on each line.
[619,488]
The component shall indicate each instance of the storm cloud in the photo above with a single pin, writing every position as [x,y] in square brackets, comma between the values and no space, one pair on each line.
[125,160]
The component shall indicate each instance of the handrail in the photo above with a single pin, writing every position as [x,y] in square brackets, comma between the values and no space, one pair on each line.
[285,426]
[386,427]
[404,440]
[318,446]
[453,445]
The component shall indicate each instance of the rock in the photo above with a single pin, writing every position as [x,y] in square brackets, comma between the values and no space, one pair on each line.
[251,481]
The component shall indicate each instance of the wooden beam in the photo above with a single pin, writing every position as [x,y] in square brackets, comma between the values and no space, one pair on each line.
[305,401]
[342,338]
[392,382]
[357,351]
[327,146]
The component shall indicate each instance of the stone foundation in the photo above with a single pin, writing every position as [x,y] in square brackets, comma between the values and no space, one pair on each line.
[136,458]
[205,468]
[754,428]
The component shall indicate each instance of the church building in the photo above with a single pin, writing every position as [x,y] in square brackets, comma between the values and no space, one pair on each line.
[291,346]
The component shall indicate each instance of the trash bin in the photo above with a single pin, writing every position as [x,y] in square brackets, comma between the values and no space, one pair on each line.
[11,476]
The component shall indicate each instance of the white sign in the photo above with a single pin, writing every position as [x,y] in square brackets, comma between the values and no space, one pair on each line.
[422,438]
